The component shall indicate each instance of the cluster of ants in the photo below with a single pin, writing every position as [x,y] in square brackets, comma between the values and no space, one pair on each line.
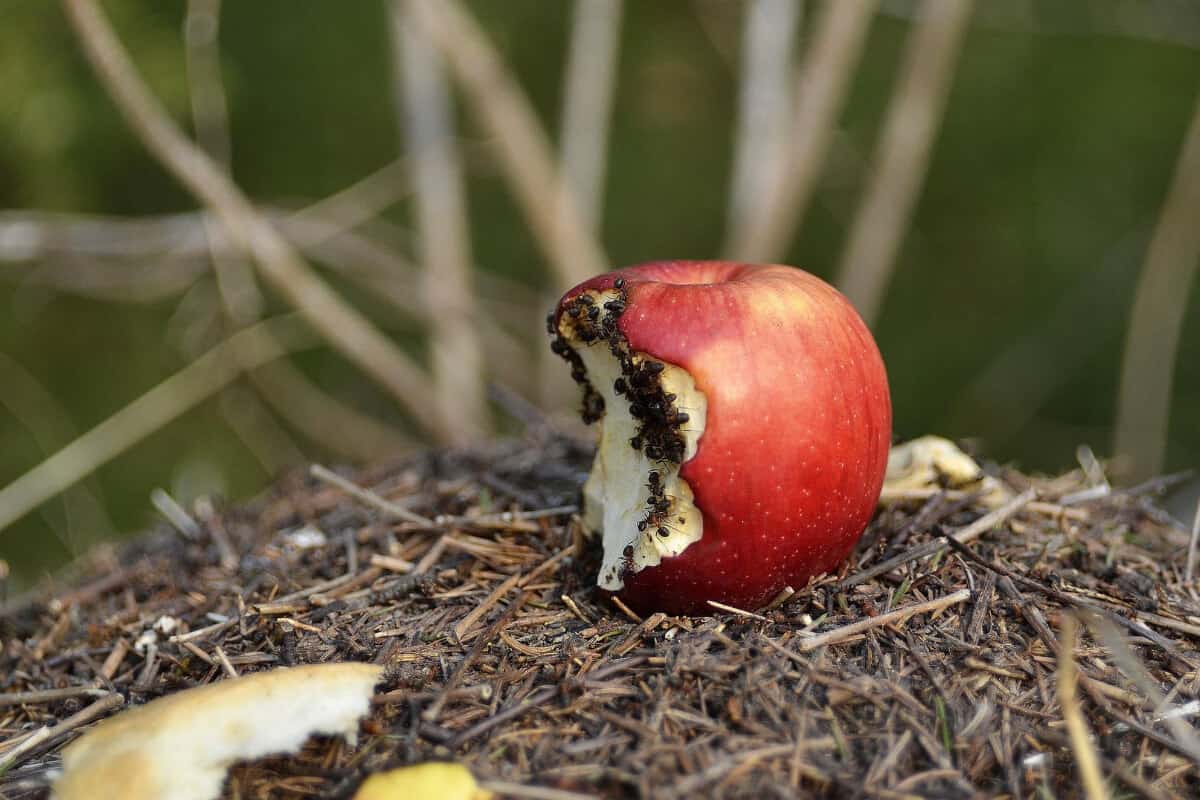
[658,434]
[660,507]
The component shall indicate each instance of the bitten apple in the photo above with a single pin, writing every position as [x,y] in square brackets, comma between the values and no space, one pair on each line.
[745,424]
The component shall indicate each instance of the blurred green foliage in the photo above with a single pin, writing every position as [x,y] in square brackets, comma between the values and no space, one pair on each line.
[1004,321]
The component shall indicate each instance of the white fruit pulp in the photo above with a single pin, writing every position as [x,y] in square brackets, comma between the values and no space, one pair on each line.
[617,491]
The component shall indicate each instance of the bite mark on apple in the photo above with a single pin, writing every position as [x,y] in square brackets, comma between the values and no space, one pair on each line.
[652,417]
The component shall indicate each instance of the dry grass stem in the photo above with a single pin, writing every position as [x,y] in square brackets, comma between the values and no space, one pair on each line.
[426,114]
[1087,761]
[968,533]
[822,85]
[592,56]
[899,615]
[52,734]
[177,394]
[367,496]
[1136,673]
[210,117]
[764,95]
[734,610]
[522,145]
[323,418]
[347,330]
[1189,572]
[251,421]
[1156,321]
[32,405]
[902,158]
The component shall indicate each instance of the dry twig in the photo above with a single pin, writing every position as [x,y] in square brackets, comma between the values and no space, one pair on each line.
[899,615]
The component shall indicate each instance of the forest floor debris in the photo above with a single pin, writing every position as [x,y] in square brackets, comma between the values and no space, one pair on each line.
[471,581]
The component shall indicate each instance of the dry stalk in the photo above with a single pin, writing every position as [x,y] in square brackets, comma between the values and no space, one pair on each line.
[967,534]
[206,375]
[323,418]
[1136,672]
[587,104]
[210,117]
[86,521]
[522,145]
[368,497]
[1189,572]
[252,422]
[902,159]
[346,329]
[427,117]
[1156,322]
[50,734]
[764,93]
[821,89]
[1086,758]
[899,615]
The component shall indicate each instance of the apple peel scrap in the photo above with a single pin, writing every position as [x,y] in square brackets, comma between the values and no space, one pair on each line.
[179,747]
[930,463]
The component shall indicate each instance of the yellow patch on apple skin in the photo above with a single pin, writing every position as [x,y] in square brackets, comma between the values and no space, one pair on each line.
[789,305]
[715,357]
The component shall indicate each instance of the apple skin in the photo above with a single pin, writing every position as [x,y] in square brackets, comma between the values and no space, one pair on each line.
[790,464]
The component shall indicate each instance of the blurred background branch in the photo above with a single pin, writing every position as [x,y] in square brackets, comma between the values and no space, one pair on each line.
[764,103]
[902,158]
[1156,323]
[521,143]
[821,88]
[588,87]
[427,117]
[206,375]
[344,327]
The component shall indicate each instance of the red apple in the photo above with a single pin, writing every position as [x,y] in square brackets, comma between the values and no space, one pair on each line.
[745,425]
